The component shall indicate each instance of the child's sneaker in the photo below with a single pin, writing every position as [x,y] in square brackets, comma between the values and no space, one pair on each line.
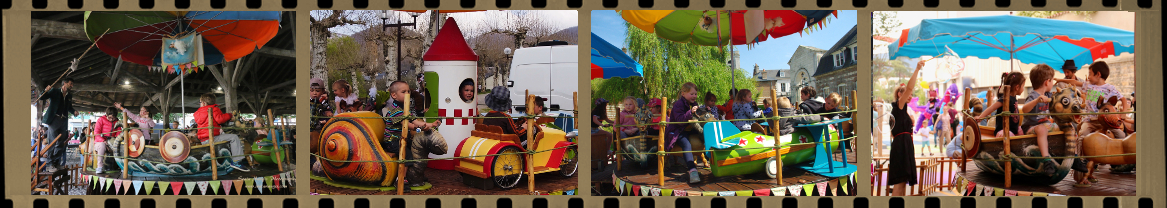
[694,176]
[1048,166]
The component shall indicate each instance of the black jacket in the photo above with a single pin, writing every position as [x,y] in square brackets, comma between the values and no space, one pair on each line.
[60,105]
[812,106]
[786,125]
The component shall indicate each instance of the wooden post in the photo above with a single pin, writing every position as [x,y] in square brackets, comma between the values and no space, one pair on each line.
[776,126]
[1008,164]
[964,152]
[276,145]
[530,143]
[126,147]
[854,115]
[575,112]
[211,137]
[660,159]
[401,151]
[616,134]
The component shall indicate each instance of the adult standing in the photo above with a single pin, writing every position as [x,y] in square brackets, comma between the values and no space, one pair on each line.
[57,117]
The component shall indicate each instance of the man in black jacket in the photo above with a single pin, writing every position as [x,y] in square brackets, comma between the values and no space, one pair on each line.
[57,117]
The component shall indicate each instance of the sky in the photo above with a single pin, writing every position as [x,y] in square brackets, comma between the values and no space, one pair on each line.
[770,54]
[562,19]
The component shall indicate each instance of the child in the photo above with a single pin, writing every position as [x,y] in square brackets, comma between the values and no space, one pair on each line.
[102,131]
[650,114]
[743,108]
[466,90]
[682,111]
[787,123]
[628,118]
[1096,88]
[727,107]
[346,100]
[1016,83]
[1042,79]
[811,102]
[320,106]
[207,103]
[601,140]
[902,164]
[711,105]
[499,101]
[421,143]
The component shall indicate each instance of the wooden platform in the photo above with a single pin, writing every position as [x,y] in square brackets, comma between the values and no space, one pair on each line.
[676,178]
[449,182]
[1109,184]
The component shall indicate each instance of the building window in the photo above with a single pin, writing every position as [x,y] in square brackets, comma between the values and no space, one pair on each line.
[838,59]
[855,53]
[783,87]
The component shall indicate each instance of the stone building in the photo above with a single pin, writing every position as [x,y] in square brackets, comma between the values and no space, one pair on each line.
[776,80]
[803,64]
[837,68]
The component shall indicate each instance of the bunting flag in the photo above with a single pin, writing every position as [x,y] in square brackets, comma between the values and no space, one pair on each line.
[175,186]
[695,193]
[278,183]
[972,186]
[162,187]
[259,181]
[92,185]
[822,188]
[679,192]
[202,187]
[808,189]
[107,182]
[286,179]
[834,184]
[238,186]
[634,190]
[189,186]
[615,182]
[126,186]
[709,193]
[1024,193]
[1010,193]
[137,187]
[655,192]
[641,190]
[226,187]
[249,183]
[744,193]
[666,192]
[1056,195]
[1040,194]
[780,191]
[149,187]
[762,192]
[726,193]
[569,192]
[117,186]
[979,190]
[845,182]
[620,186]
[795,190]
[989,191]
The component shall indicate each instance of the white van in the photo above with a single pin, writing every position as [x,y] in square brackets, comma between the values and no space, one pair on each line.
[549,70]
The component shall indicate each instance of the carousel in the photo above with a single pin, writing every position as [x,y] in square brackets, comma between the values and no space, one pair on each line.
[167,61]
[1011,165]
[480,159]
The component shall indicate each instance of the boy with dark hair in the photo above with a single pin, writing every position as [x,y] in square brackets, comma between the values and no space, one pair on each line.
[422,140]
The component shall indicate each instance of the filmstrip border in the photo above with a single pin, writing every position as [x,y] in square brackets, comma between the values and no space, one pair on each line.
[16,14]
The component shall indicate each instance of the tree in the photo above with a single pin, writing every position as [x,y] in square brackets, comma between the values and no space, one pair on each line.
[320,23]
[668,65]
[883,23]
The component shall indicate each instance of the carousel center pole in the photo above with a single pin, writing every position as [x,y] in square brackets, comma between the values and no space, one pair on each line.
[774,124]
[1008,163]
[126,148]
[660,142]
[275,144]
[211,137]
[530,143]
[401,151]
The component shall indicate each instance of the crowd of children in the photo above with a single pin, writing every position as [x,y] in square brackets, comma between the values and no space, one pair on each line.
[1037,101]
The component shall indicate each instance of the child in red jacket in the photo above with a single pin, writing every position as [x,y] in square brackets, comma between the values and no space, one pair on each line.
[207,103]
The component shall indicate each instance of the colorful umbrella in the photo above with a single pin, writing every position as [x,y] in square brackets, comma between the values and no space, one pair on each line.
[1025,39]
[609,61]
[740,26]
[137,36]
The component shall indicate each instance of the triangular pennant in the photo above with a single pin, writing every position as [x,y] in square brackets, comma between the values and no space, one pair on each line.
[174,187]
[126,186]
[1010,193]
[808,189]
[744,193]
[106,183]
[1040,194]
[780,191]
[248,183]
[655,192]
[137,187]
[666,192]
[615,181]
[795,190]
[988,191]
[278,183]
[620,186]
[227,187]
[238,186]
[834,186]
[709,193]
[998,192]
[822,186]
[260,181]
[637,190]
[203,187]
[286,179]
[189,186]
[117,185]
[680,192]
[693,193]
[1056,195]
[845,183]
[762,192]
[971,187]
[1024,193]
[150,187]
[726,193]
[92,185]
[162,187]
[569,192]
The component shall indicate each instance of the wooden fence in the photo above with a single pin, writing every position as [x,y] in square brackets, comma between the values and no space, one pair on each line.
[933,174]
